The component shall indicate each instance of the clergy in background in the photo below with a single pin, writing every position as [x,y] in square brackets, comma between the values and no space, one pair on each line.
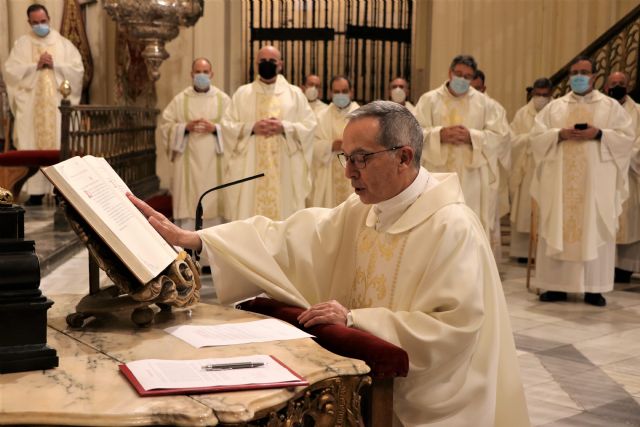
[581,144]
[268,128]
[38,64]
[312,88]
[399,92]
[329,187]
[463,132]
[523,168]
[192,137]
[500,201]
[404,259]
[628,239]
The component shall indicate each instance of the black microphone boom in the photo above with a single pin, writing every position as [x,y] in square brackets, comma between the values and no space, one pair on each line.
[198,225]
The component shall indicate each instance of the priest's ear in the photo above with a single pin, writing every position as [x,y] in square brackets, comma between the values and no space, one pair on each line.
[406,156]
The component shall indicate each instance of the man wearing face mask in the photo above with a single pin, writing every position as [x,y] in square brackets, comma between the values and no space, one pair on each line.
[38,63]
[581,144]
[329,188]
[523,168]
[312,87]
[192,137]
[399,93]
[268,128]
[463,131]
[628,238]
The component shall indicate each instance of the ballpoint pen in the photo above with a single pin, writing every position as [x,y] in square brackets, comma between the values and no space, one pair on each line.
[227,366]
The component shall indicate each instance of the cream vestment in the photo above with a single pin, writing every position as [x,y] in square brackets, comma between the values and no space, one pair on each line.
[579,187]
[628,239]
[520,180]
[285,159]
[477,163]
[197,158]
[33,94]
[415,270]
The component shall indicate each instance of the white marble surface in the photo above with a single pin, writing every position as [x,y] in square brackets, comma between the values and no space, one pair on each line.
[87,389]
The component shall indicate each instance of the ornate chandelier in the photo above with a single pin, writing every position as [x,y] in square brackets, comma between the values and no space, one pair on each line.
[153,23]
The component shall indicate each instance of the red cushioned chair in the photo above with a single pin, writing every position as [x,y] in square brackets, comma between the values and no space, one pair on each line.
[386,360]
[17,166]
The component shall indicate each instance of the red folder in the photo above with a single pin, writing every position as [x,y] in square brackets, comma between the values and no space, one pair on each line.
[211,389]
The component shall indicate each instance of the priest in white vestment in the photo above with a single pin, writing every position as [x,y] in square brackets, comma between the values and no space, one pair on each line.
[268,128]
[463,133]
[312,88]
[399,92]
[523,168]
[329,188]
[191,135]
[628,239]
[501,201]
[581,144]
[403,259]
[38,64]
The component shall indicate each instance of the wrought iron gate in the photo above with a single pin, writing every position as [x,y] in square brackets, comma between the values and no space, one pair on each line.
[367,40]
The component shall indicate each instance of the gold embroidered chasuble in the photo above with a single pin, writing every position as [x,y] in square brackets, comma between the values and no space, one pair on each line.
[329,185]
[44,122]
[199,167]
[285,159]
[475,164]
[33,94]
[267,195]
[580,186]
[428,283]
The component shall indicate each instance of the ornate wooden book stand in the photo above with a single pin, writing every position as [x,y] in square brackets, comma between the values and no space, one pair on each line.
[177,286]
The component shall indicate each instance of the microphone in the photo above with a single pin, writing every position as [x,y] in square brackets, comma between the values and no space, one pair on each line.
[198,220]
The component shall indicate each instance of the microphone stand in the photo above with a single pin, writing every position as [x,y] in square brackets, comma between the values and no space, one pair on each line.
[199,213]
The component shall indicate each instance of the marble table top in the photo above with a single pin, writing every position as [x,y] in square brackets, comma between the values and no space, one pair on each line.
[87,388]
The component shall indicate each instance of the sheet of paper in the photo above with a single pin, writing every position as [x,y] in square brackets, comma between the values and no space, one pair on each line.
[162,374]
[237,333]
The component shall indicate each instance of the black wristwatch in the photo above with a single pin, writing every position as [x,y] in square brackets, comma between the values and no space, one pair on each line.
[599,135]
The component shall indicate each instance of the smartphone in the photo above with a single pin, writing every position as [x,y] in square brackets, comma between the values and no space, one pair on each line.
[580,126]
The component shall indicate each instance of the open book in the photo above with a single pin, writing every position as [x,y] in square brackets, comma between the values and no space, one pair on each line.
[96,191]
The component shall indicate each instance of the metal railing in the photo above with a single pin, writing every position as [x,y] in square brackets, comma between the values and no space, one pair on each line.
[615,50]
[124,136]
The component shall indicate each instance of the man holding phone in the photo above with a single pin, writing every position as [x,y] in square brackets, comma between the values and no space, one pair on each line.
[581,144]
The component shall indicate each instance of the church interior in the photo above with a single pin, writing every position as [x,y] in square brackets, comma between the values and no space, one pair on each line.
[579,363]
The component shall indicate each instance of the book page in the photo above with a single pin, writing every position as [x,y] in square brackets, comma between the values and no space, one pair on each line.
[158,374]
[104,169]
[113,216]
[237,333]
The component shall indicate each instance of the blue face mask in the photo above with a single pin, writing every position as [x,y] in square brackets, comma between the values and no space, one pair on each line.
[41,30]
[579,83]
[201,81]
[341,100]
[459,85]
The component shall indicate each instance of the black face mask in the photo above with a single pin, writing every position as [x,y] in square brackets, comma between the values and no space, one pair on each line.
[617,92]
[267,69]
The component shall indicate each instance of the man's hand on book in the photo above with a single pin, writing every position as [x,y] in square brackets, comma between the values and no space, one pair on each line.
[173,234]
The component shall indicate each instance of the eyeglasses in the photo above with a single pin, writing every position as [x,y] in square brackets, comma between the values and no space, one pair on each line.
[359,160]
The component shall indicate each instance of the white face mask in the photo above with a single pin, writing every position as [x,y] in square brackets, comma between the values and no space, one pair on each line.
[540,101]
[311,93]
[398,95]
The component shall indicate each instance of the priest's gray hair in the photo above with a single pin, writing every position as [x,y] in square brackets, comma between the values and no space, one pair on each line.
[397,126]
